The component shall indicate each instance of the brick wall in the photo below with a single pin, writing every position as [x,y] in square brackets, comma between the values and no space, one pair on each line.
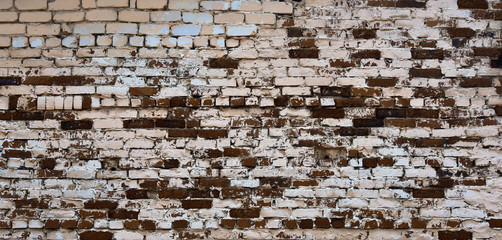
[187,119]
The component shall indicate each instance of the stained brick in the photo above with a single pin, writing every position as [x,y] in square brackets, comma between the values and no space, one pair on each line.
[454,235]
[10,81]
[304,53]
[196,203]
[366,54]
[76,124]
[93,235]
[472,4]
[144,91]
[336,91]
[364,33]
[328,113]
[428,193]
[461,32]
[367,122]
[245,213]
[381,82]
[427,54]
[223,63]
[426,73]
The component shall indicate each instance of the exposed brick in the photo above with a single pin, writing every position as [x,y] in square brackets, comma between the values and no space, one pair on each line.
[93,235]
[223,63]
[364,33]
[245,213]
[304,53]
[427,54]
[328,113]
[10,81]
[472,4]
[76,124]
[428,193]
[454,235]
[196,203]
[461,32]
[144,91]
[381,82]
[425,73]
[366,54]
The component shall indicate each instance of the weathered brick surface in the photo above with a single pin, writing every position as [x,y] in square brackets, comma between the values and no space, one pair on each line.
[294,119]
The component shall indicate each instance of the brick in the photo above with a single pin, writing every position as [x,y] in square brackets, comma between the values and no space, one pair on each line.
[31,4]
[461,32]
[328,113]
[472,4]
[223,63]
[151,4]
[366,54]
[100,204]
[75,125]
[304,53]
[278,7]
[427,54]
[189,204]
[92,235]
[245,213]
[425,73]
[10,81]
[488,52]
[457,235]
[362,33]
[122,214]
[112,3]
[428,193]
[143,91]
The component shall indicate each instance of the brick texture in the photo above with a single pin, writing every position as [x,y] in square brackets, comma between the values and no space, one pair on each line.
[291,119]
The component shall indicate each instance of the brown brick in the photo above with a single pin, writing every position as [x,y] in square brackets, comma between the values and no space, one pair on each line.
[340,63]
[223,63]
[275,182]
[148,225]
[235,152]
[214,182]
[410,4]
[304,53]
[69,80]
[370,162]
[100,204]
[454,235]
[488,52]
[461,32]
[426,73]
[366,54]
[213,134]
[427,54]
[139,123]
[367,122]
[187,133]
[187,204]
[179,224]
[335,91]
[170,123]
[423,113]
[381,82]
[228,223]
[328,113]
[143,91]
[390,112]
[364,33]
[69,224]
[11,153]
[475,82]
[472,4]
[123,214]
[36,80]
[52,224]
[235,192]
[31,203]
[428,193]
[29,116]
[245,213]
[429,92]
[136,194]
[94,235]
[306,224]
[76,124]
[495,222]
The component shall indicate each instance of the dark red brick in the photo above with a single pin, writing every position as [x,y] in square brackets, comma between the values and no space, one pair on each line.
[426,73]
[275,182]
[461,32]
[214,182]
[76,125]
[12,153]
[304,53]
[429,92]
[186,133]
[187,204]
[170,123]
[454,235]
[366,54]
[390,112]
[428,193]
[223,63]
[328,113]
[472,4]
[123,214]
[100,204]
[475,82]
[336,91]
[427,54]
[95,235]
[495,222]
[27,116]
[136,194]
[213,134]
[245,213]
[31,203]
[361,33]
[143,91]
[381,82]
[139,123]
[367,122]
[488,52]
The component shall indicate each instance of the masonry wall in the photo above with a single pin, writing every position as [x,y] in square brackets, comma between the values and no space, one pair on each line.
[186,119]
